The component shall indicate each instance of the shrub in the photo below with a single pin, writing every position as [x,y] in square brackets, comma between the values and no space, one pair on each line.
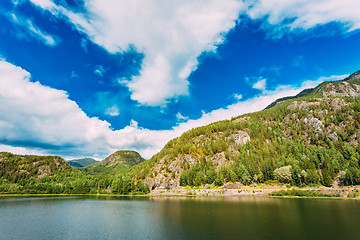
[283,174]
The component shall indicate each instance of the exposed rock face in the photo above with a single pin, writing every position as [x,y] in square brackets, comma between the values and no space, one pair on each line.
[242,119]
[337,104]
[187,159]
[241,138]
[333,136]
[219,160]
[356,138]
[344,89]
[302,105]
[316,124]
[43,170]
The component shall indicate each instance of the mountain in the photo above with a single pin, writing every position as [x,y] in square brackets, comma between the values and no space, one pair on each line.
[280,100]
[347,87]
[116,161]
[83,162]
[27,174]
[18,167]
[310,139]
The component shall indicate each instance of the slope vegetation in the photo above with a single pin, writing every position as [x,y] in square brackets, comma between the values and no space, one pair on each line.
[53,175]
[309,140]
[116,161]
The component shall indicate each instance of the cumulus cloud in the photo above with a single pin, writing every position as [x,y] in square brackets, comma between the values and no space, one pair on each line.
[237,96]
[260,85]
[41,120]
[112,111]
[171,34]
[41,117]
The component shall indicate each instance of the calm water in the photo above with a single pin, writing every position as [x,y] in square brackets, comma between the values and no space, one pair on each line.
[175,218]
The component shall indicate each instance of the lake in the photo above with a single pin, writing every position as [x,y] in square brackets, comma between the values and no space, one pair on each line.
[178,218]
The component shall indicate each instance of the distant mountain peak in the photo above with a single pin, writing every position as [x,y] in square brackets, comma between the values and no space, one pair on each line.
[123,157]
[82,162]
[118,160]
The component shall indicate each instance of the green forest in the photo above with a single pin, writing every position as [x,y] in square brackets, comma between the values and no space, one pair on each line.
[53,175]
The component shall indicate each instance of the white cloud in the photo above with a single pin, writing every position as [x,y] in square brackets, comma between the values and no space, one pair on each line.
[260,85]
[33,30]
[37,115]
[180,117]
[171,34]
[306,14]
[41,120]
[237,96]
[21,150]
[112,111]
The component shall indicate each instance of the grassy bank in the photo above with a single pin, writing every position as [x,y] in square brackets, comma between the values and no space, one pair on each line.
[304,194]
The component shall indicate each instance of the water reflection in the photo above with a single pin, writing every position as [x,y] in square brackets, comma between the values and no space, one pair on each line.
[101,217]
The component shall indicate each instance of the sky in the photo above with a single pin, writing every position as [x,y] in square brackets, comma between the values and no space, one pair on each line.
[85,78]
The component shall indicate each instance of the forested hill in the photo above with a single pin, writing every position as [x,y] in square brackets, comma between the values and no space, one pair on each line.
[18,167]
[116,161]
[312,139]
[53,175]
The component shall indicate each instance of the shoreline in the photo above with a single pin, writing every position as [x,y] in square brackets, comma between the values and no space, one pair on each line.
[350,192]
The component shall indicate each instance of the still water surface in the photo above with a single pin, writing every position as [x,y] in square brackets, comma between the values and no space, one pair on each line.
[178,218]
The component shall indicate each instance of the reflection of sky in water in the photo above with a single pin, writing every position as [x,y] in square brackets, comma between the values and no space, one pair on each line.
[178,218]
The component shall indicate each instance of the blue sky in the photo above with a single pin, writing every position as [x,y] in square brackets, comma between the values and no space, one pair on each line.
[87,78]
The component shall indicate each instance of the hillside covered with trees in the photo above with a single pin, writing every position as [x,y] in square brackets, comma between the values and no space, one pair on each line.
[54,175]
[309,140]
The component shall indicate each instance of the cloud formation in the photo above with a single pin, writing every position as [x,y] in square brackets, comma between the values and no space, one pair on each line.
[305,14]
[112,111]
[260,85]
[27,28]
[171,34]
